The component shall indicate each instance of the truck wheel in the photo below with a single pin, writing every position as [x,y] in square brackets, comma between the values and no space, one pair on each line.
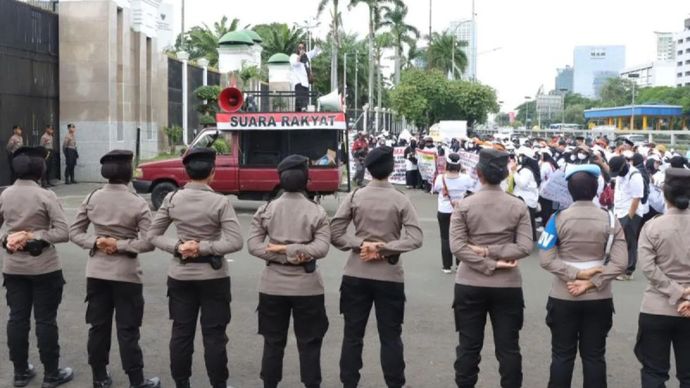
[160,191]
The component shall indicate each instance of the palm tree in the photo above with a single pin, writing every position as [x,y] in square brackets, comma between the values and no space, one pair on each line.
[402,32]
[279,38]
[374,21]
[442,49]
[202,41]
[336,22]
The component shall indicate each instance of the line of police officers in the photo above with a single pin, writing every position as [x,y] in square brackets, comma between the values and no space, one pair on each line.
[291,233]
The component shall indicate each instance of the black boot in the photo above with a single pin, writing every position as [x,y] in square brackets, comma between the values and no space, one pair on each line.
[107,383]
[153,382]
[23,378]
[182,384]
[220,385]
[57,378]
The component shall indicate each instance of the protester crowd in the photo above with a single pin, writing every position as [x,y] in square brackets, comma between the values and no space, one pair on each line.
[591,229]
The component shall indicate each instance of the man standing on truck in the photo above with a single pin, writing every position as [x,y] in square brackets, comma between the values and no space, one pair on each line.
[302,75]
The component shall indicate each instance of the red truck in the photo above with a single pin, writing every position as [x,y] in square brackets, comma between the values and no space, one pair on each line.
[250,145]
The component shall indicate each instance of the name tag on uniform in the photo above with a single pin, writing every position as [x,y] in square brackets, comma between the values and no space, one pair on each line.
[549,237]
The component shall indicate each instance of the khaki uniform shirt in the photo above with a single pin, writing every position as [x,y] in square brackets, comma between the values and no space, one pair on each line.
[665,260]
[499,221]
[583,232]
[25,206]
[15,143]
[47,141]
[70,141]
[380,213]
[202,215]
[115,212]
[302,225]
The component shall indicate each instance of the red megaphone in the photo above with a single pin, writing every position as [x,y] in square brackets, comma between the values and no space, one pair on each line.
[230,99]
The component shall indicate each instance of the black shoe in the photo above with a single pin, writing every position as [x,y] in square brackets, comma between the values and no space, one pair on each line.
[67,182]
[182,384]
[153,382]
[107,383]
[23,379]
[58,378]
[74,182]
[220,385]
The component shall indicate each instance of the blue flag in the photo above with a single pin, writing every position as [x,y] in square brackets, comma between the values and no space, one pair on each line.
[549,237]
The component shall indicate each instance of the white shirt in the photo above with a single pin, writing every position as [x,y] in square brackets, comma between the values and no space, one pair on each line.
[627,188]
[456,190]
[526,187]
[546,170]
[299,70]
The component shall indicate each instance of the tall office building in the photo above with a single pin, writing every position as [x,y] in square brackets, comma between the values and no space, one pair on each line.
[564,79]
[683,56]
[464,31]
[665,46]
[593,65]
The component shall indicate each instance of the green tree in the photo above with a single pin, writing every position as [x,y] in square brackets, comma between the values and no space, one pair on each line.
[279,38]
[502,119]
[439,54]
[202,41]
[402,33]
[527,112]
[336,22]
[575,114]
[616,92]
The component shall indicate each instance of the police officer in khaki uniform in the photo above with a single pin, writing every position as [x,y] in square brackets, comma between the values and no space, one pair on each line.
[69,149]
[47,143]
[121,221]
[198,279]
[290,234]
[385,226]
[13,144]
[584,248]
[665,312]
[488,280]
[31,268]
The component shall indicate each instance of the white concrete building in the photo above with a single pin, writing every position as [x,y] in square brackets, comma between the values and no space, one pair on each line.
[683,56]
[665,46]
[465,31]
[659,73]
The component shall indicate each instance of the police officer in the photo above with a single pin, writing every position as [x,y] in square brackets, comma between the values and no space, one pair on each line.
[488,280]
[121,220]
[298,234]
[31,268]
[13,144]
[198,280]
[374,274]
[584,248]
[665,313]
[69,149]
[47,143]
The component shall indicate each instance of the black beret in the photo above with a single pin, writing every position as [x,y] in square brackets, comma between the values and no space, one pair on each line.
[678,161]
[117,156]
[201,154]
[293,162]
[677,177]
[493,158]
[378,155]
[32,152]
[615,165]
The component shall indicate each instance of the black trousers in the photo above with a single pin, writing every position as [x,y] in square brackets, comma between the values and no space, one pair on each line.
[311,324]
[359,172]
[631,229]
[186,301]
[655,336]
[533,221]
[127,301]
[13,176]
[70,163]
[357,296]
[444,226]
[49,168]
[412,178]
[301,97]
[505,308]
[43,294]
[546,210]
[583,324]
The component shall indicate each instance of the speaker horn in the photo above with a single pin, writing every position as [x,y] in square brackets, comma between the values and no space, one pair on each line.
[230,100]
[331,102]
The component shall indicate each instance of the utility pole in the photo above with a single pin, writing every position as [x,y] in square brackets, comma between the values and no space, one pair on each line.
[371,56]
[474,44]
[356,80]
[345,80]
[430,7]
[182,17]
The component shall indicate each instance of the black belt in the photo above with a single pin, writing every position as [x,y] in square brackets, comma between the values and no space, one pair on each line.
[34,247]
[309,266]
[216,262]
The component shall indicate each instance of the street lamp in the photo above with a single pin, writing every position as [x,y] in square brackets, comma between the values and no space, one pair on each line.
[632,114]
[527,98]
[184,57]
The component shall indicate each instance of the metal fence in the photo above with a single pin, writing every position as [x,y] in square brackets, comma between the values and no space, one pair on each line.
[29,83]
[194,80]
[672,138]
[361,120]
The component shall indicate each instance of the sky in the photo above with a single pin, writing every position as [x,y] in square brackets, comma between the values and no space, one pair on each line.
[534,36]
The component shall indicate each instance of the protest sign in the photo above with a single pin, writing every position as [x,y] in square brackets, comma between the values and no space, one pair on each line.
[556,189]
[426,161]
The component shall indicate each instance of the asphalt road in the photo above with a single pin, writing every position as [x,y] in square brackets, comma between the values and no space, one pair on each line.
[428,331]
